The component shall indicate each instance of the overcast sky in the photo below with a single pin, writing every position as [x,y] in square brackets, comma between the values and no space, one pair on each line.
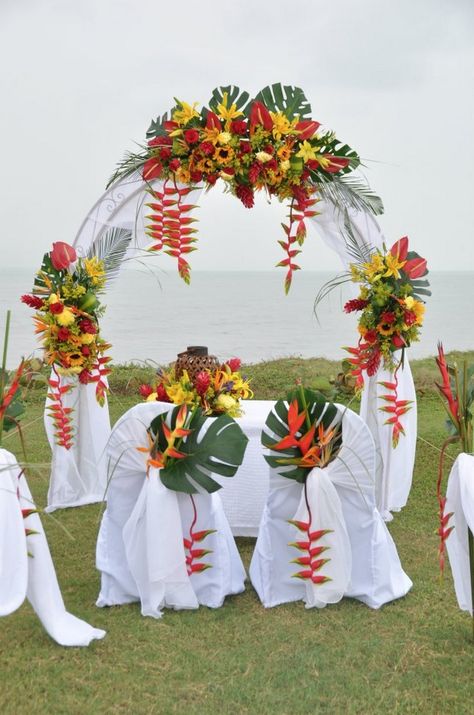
[80,81]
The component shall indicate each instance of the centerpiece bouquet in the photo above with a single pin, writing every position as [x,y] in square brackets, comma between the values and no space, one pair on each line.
[216,391]
[269,143]
[65,298]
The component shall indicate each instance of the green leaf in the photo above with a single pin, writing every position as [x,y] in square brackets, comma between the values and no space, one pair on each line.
[234,96]
[156,128]
[111,248]
[289,100]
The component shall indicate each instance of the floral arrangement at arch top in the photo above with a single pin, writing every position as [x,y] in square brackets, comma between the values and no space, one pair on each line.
[391,309]
[65,298]
[216,391]
[269,143]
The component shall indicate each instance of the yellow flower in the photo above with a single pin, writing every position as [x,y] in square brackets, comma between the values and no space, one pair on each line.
[393,266]
[94,268]
[226,402]
[76,359]
[284,152]
[285,165]
[263,157]
[211,135]
[306,151]
[183,175]
[184,113]
[281,124]
[373,269]
[409,302]
[65,318]
[152,397]
[224,138]
[53,298]
[419,309]
[225,112]
[87,338]
[180,395]
[224,154]
[69,370]
[386,328]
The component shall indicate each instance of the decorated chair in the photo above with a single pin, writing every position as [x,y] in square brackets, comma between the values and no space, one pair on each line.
[26,568]
[321,536]
[162,547]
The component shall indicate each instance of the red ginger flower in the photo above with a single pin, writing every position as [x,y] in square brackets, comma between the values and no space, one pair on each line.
[355,304]
[202,382]
[32,301]
[161,394]
[245,194]
[234,364]
[145,390]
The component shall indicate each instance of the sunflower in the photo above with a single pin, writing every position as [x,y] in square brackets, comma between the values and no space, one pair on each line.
[284,152]
[76,359]
[183,175]
[224,154]
[386,328]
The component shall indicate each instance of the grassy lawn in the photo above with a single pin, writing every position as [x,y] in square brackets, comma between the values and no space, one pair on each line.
[413,656]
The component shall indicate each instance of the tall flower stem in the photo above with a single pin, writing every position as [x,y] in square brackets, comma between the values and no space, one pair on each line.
[4,368]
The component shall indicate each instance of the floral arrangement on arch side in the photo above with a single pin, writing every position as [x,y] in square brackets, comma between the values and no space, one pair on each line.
[302,433]
[65,298]
[188,455]
[269,143]
[216,391]
[391,315]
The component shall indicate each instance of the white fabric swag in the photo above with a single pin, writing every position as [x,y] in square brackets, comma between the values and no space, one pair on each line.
[26,567]
[460,501]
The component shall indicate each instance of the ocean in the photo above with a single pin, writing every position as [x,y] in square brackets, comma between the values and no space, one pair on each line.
[151,315]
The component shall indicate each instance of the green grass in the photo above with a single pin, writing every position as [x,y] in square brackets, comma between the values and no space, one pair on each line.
[413,656]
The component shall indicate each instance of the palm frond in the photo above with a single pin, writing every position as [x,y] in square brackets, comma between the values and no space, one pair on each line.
[358,249]
[328,287]
[111,248]
[351,193]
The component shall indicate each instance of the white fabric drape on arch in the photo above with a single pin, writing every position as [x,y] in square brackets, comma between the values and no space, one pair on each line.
[364,561]
[32,576]
[394,466]
[140,551]
[460,501]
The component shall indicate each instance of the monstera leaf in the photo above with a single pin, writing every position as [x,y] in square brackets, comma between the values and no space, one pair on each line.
[156,128]
[289,100]
[219,449]
[284,426]
[234,96]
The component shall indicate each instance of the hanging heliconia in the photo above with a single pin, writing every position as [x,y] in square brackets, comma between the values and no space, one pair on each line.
[268,143]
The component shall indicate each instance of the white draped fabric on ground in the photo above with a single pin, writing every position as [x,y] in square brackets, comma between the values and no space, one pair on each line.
[140,550]
[460,501]
[79,474]
[363,564]
[26,567]
[394,469]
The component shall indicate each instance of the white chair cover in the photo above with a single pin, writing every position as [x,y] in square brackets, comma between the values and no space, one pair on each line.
[140,550]
[79,475]
[31,576]
[364,561]
[460,501]
[394,470]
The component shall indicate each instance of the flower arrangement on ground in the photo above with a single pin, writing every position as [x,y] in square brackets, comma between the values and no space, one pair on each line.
[269,143]
[65,298]
[391,308]
[216,391]
[302,433]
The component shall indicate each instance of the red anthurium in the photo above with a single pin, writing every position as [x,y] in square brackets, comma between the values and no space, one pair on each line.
[62,255]
[213,121]
[152,169]
[336,163]
[400,249]
[307,128]
[416,267]
[259,115]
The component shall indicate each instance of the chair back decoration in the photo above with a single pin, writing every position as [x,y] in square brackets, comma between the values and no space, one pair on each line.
[164,526]
[26,567]
[321,536]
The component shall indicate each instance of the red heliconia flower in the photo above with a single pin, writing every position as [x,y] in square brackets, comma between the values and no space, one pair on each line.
[373,362]
[245,194]
[152,169]
[87,326]
[56,308]
[32,301]
[239,126]
[161,394]
[207,148]
[355,304]
[85,377]
[62,255]
[191,136]
[202,382]
[234,364]
[175,164]
[63,334]
[145,390]
[260,116]
[445,387]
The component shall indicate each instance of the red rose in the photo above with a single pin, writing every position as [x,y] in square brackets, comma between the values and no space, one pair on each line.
[175,164]
[85,351]
[239,126]
[56,308]
[269,149]
[388,317]
[161,395]
[212,178]
[62,255]
[245,147]
[196,176]
[63,335]
[145,391]
[191,136]
[87,326]
[234,364]
[32,301]
[164,153]
[207,148]
[245,194]
[371,336]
